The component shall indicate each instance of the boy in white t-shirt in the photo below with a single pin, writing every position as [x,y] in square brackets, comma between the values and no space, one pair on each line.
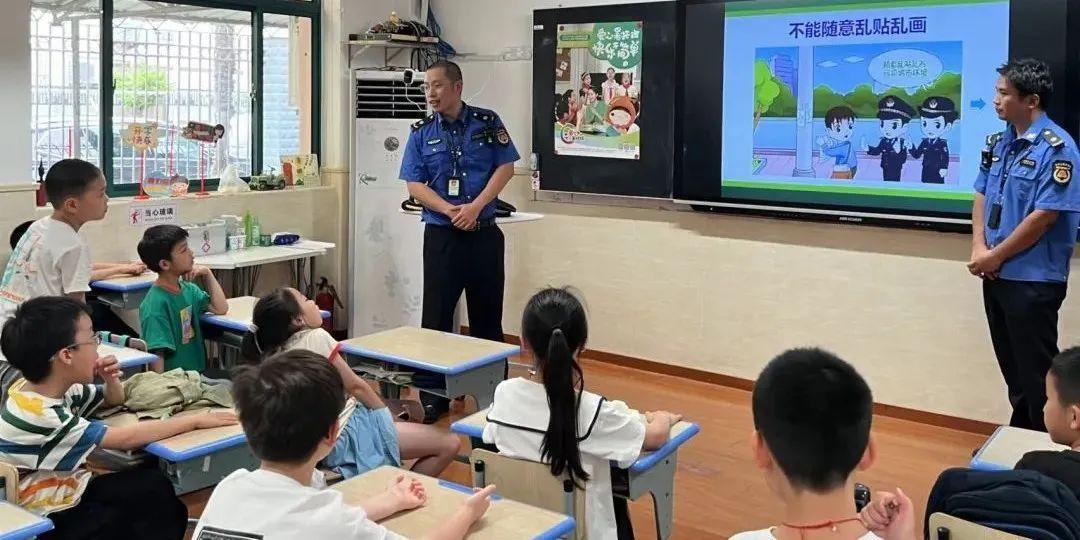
[812,414]
[51,258]
[289,406]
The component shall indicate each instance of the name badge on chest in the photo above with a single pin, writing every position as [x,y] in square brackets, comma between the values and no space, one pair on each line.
[453,187]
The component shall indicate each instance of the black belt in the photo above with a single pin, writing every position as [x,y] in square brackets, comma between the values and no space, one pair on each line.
[481,223]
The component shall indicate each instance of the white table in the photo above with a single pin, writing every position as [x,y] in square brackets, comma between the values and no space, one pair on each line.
[245,264]
[504,519]
[471,366]
[123,292]
[16,523]
[128,358]
[1007,445]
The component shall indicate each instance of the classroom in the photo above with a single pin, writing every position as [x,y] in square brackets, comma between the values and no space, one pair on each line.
[494,269]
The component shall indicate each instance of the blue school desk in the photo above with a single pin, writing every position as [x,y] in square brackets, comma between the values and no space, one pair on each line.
[472,367]
[129,359]
[202,458]
[17,523]
[124,292]
[504,519]
[653,472]
[1007,445]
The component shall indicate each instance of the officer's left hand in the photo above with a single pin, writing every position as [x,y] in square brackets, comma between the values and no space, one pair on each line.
[985,264]
[467,216]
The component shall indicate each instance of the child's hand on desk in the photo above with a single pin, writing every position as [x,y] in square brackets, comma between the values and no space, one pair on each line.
[663,416]
[408,492]
[213,419]
[134,269]
[478,504]
[108,368]
[890,516]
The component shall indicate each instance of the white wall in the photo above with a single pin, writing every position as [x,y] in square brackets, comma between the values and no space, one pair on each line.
[15,91]
[726,293]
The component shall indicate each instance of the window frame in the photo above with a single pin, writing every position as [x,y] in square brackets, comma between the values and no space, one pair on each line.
[257,9]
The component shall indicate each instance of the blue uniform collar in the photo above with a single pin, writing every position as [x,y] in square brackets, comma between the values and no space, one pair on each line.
[461,119]
[1033,131]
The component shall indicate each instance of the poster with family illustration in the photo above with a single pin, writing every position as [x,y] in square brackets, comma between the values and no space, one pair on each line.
[887,112]
[597,82]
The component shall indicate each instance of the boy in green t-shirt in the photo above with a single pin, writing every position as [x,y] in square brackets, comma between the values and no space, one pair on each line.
[170,312]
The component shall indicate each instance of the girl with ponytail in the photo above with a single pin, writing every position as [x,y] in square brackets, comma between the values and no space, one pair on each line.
[286,320]
[551,418]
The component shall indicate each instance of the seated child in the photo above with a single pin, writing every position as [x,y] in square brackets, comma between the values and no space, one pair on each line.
[550,418]
[289,406]
[285,320]
[812,414]
[49,257]
[170,313]
[1062,416]
[47,434]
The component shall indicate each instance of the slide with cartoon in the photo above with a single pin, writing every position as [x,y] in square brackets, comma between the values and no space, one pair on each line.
[874,97]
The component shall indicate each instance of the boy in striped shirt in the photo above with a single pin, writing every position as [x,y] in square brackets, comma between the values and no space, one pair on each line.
[45,430]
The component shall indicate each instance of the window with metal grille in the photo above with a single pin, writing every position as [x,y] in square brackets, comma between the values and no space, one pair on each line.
[245,65]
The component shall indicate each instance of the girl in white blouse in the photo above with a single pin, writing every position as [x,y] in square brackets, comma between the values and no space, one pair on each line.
[551,418]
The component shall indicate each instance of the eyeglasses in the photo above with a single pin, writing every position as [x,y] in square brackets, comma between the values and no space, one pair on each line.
[95,341]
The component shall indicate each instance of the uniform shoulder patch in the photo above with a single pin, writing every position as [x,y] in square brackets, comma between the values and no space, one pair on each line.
[422,122]
[1062,171]
[1054,139]
[502,136]
[993,138]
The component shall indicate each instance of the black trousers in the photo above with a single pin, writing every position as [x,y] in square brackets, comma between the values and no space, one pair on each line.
[136,504]
[457,261]
[1023,319]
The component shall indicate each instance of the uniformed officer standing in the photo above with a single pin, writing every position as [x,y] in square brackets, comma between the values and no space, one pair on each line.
[938,114]
[893,115]
[457,161]
[1024,225]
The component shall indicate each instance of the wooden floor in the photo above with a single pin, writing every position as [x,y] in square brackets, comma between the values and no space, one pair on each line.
[718,492]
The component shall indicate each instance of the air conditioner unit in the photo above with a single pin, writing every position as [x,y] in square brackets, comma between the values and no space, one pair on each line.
[385,245]
[389,94]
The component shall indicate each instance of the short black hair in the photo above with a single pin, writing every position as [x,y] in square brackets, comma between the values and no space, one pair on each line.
[1029,76]
[453,71]
[157,244]
[40,328]
[69,178]
[287,404]
[18,232]
[838,113]
[814,411]
[1066,371]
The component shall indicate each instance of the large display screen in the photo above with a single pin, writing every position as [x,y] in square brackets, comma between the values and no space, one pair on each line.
[880,107]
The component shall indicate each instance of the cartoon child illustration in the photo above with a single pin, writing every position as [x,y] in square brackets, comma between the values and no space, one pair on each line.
[620,117]
[839,124]
[938,117]
[894,115]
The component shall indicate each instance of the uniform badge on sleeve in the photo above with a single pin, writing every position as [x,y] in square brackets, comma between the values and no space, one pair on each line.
[1062,171]
[502,136]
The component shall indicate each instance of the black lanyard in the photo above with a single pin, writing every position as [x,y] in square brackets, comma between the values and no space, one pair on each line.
[1007,166]
[457,144]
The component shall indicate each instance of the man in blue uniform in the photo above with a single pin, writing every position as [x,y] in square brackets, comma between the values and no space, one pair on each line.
[457,161]
[894,115]
[938,115]
[1024,225]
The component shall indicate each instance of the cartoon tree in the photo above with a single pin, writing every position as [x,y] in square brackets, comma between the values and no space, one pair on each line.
[766,89]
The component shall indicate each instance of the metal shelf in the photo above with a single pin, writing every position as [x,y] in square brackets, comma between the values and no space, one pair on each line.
[391,48]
